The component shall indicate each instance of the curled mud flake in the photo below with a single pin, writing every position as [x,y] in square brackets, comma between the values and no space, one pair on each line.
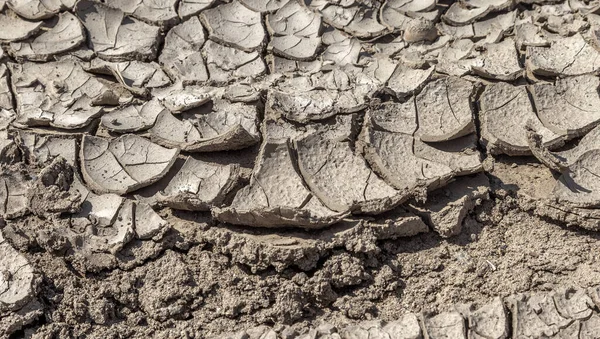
[181,55]
[341,49]
[406,81]
[457,32]
[527,34]
[100,210]
[66,34]
[158,12]
[461,155]
[109,238]
[499,61]
[568,107]
[489,321]
[200,185]
[43,149]
[496,26]
[459,14]
[235,25]
[445,325]
[136,76]
[14,191]
[264,6]
[18,281]
[505,110]
[534,316]
[189,8]
[281,65]
[551,160]
[123,164]
[116,37]
[397,223]
[359,20]
[296,31]
[180,101]
[37,10]
[457,58]
[276,195]
[326,166]
[444,110]
[567,56]
[147,222]
[226,64]
[61,94]
[6,97]
[589,142]
[133,118]
[419,30]
[14,28]
[580,186]
[406,327]
[397,13]
[51,192]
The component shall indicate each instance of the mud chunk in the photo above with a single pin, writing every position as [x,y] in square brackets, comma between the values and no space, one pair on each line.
[341,48]
[325,165]
[573,303]
[101,210]
[137,76]
[51,192]
[115,36]
[495,27]
[276,195]
[215,126]
[18,281]
[295,31]
[133,118]
[181,55]
[489,321]
[60,94]
[359,20]
[6,97]
[397,223]
[37,10]
[264,6]
[123,164]
[534,316]
[180,101]
[587,143]
[444,110]
[190,8]
[499,61]
[14,28]
[14,190]
[147,222]
[199,185]
[158,12]
[459,14]
[580,186]
[43,149]
[235,25]
[446,209]
[407,327]
[66,34]
[505,109]
[406,81]
[420,30]
[461,155]
[568,107]
[567,56]
[226,64]
[528,34]
[457,58]
[444,325]
[393,16]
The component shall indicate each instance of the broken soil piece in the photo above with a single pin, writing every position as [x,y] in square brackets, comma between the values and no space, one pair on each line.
[457,58]
[420,30]
[235,25]
[394,17]
[147,222]
[489,321]
[295,31]
[158,12]
[587,143]
[397,223]
[461,155]
[546,157]
[215,126]
[276,195]
[124,164]
[136,76]
[200,185]
[133,118]
[444,325]
[528,34]
[190,8]
[65,35]
[226,64]
[43,149]
[6,97]
[570,106]
[18,281]
[458,14]
[505,109]
[407,327]
[498,25]
[187,99]
[446,209]
[406,81]
[535,315]
[444,110]
[264,6]
[61,94]
[573,303]
[37,10]
[567,56]
[500,61]
[181,55]
[115,36]
[14,28]
[326,166]
[14,190]
[51,192]
[580,186]
[341,49]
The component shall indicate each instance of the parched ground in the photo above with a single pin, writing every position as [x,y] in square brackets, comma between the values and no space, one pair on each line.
[299,169]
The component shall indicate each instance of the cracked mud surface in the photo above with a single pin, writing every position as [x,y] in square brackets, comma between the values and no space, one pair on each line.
[299,169]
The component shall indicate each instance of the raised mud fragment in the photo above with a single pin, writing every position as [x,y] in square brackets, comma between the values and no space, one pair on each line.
[147,222]
[326,165]
[489,321]
[14,28]
[19,282]
[6,96]
[359,20]
[295,31]
[158,12]
[567,56]
[505,110]
[460,14]
[137,76]
[226,64]
[214,126]
[61,94]
[180,101]
[499,61]
[133,118]
[14,192]
[115,36]
[43,149]
[276,195]
[528,34]
[264,6]
[37,10]
[406,80]
[444,110]
[496,27]
[457,58]
[235,25]
[569,106]
[66,34]
[580,186]
[190,8]
[51,192]
[341,48]
[181,55]
[444,325]
[123,164]
[200,185]
[587,143]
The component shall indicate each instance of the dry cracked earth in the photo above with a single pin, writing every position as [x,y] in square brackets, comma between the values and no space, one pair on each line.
[262,169]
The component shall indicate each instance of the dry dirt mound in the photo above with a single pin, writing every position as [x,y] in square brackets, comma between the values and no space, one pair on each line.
[299,168]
